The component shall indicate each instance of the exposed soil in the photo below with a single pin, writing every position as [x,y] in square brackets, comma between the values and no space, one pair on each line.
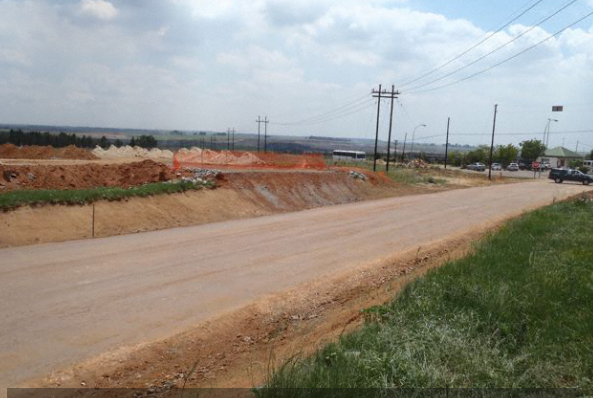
[238,196]
[239,349]
[9,151]
[13,177]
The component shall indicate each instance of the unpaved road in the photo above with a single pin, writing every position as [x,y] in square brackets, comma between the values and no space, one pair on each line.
[66,302]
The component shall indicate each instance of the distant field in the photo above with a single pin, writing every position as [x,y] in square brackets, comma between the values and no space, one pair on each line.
[516,313]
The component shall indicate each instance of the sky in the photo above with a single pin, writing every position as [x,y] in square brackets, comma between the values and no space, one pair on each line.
[309,65]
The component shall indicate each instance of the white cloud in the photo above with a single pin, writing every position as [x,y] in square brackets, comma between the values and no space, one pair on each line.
[100,9]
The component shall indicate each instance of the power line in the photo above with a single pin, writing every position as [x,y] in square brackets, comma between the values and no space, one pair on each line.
[488,37]
[508,59]
[325,114]
[344,113]
[496,49]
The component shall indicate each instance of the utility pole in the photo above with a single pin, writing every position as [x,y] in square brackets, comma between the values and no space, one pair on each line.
[266,135]
[447,144]
[404,150]
[577,150]
[259,122]
[228,139]
[393,97]
[233,139]
[395,151]
[377,94]
[492,145]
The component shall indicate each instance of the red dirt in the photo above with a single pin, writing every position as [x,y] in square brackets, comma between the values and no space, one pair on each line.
[9,151]
[14,177]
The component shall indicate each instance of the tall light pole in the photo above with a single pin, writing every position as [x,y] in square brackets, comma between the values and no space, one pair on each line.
[546,141]
[414,136]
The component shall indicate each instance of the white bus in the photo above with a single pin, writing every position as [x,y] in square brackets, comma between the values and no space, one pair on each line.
[353,156]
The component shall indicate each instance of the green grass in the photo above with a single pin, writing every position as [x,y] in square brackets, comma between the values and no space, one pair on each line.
[518,313]
[14,199]
[403,176]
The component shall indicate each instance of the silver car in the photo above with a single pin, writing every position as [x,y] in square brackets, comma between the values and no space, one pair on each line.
[513,167]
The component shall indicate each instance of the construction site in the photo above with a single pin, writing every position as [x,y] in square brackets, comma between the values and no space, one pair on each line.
[244,184]
[291,199]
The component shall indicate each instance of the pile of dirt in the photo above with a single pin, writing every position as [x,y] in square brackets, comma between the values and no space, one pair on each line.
[131,152]
[9,151]
[196,157]
[13,177]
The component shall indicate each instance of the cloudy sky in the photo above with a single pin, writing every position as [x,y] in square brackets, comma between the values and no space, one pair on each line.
[309,65]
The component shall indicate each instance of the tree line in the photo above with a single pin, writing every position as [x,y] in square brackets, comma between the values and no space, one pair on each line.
[527,151]
[61,140]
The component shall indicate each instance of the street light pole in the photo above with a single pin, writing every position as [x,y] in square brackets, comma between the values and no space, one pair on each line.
[414,136]
[546,141]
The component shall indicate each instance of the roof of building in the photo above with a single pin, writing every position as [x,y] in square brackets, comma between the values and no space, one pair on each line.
[561,152]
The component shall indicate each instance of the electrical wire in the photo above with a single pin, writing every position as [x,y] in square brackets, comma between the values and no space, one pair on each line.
[488,37]
[322,115]
[339,116]
[507,59]
[496,49]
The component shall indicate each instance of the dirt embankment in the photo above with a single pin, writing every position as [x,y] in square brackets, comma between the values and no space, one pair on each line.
[14,177]
[239,195]
[9,151]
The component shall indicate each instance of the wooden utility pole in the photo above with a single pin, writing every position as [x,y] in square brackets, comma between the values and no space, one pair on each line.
[228,139]
[447,144]
[492,144]
[259,122]
[395,151]
[266,121]
[404,150]
[377,94]
[393,97]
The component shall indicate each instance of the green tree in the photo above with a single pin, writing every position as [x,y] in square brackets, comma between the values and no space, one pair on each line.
[481,155]
[118,143]
[104,142]
[506,154]
[591,155]
[133,142]
[146,141]
[532,149]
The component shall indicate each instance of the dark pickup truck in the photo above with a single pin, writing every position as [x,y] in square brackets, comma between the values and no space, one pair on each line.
[561,175]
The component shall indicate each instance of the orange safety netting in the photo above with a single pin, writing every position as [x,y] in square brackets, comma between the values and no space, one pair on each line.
[206,158]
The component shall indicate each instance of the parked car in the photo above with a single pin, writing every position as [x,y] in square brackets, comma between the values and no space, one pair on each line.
[545,166]
[561,175]
[477,166]
[513,167]
[496,167]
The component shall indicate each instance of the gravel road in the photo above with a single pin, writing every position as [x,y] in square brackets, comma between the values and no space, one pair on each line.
[66,302]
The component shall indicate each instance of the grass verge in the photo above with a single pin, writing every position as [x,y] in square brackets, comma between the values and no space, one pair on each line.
[517,313]
[14,199]
[401,175]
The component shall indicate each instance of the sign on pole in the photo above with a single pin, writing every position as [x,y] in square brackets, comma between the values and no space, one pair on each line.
[558,108]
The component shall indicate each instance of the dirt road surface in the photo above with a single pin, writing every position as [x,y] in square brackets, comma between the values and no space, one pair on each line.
[66,302]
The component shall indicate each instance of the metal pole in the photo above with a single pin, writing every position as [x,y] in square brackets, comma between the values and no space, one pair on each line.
[390,127]
[492,145]
[377,130]
[447,144]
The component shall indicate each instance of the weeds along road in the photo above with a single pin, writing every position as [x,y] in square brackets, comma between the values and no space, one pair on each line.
[66,302]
